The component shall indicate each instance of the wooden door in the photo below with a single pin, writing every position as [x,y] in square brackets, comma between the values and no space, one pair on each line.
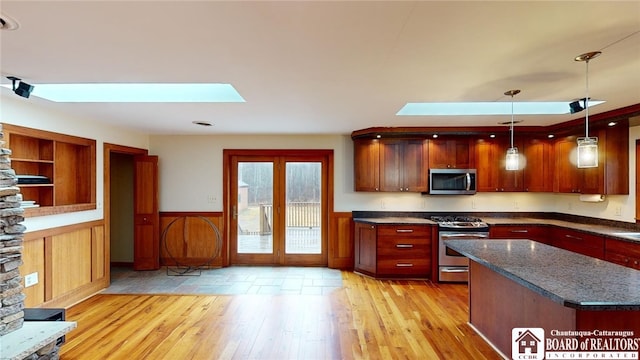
[279,206]
[486,167]
[146,237]
[450,153]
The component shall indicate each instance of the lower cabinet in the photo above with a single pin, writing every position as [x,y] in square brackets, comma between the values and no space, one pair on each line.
[622,253]
[531,232]
[396,251]
[579,242]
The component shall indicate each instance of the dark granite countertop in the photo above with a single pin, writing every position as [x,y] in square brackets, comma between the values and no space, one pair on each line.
[572,279]
[621,233]
[400,220]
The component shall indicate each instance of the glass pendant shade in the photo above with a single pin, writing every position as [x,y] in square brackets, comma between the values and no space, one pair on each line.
[513,161]
[587,152]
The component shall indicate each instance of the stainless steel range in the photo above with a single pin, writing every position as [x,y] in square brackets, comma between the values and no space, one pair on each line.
[452,266]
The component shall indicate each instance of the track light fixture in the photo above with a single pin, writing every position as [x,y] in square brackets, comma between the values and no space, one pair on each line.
[23,89]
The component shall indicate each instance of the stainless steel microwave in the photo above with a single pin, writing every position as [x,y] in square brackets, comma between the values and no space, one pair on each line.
[452,181]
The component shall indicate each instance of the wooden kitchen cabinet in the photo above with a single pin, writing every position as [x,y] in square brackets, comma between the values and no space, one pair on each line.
[579,242]
[531,232]
[366,161]
[492,175]
[623,253]
[365,238]
[611,177]
[402,165]
[56,172]
[391,165]
[393,251]
[538,172]
[451,153]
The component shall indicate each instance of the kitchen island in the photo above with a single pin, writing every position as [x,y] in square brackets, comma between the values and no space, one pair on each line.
[526,284]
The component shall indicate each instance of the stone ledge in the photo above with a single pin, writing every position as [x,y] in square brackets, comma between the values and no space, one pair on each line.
[33,336]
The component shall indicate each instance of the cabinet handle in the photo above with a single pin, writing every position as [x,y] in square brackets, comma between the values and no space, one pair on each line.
[404,230]
[635,262]
[401,189]
[573,237]
[377,189]
[404,265]
[404,246]
[520,231]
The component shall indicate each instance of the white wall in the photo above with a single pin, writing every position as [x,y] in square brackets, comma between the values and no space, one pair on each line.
[26,112]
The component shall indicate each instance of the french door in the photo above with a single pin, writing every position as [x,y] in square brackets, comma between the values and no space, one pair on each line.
[278,208]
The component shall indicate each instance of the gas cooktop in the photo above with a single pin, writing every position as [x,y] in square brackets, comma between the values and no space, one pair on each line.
[458,222]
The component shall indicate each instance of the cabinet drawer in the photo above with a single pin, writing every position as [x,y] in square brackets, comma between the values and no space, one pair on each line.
[582,243]
[416,267]
[404,248]
[404,231]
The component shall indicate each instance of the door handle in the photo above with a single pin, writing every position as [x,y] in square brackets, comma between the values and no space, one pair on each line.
[235,212]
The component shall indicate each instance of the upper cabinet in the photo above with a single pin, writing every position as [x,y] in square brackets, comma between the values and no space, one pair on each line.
[366,161]
[611,177]
[56,172]
[398,159]
[539,171]
[451,153]
[403,165]
[390,165]
[491,174]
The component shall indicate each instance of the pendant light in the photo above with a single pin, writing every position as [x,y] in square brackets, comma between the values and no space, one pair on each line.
[512,162]
[587,146]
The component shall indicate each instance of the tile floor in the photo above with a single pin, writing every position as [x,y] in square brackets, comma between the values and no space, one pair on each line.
[233,280]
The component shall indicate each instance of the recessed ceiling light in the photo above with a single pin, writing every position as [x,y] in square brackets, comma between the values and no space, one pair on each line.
[488,108]
[551,136]
[202,123]
[492,136]
[138,92]
[613,123]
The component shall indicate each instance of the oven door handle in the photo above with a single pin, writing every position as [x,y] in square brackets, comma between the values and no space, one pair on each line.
[463,236]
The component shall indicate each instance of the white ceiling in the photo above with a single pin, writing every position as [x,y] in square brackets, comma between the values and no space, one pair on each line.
[326,67]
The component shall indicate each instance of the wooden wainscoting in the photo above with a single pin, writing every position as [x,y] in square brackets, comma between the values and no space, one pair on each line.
[187,238]
[70,262]
[341,241]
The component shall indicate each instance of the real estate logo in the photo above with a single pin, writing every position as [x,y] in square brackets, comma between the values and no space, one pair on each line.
[527,344]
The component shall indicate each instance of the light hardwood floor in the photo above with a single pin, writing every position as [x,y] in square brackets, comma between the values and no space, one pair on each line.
[366,319]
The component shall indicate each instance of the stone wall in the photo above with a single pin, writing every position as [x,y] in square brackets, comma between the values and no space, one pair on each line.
[11,238]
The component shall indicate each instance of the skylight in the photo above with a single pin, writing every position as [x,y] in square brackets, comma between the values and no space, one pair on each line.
[489,108]
[137,92]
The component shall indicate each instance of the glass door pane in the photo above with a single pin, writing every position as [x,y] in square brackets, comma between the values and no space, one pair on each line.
[303,210]
[255,208]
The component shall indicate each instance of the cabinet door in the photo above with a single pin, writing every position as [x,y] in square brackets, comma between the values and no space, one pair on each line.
[414,169]
[492,174]
[365,248]
[391,165]
[538,172]
[445,153]
[566,179]
[402,165]
[366,161]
